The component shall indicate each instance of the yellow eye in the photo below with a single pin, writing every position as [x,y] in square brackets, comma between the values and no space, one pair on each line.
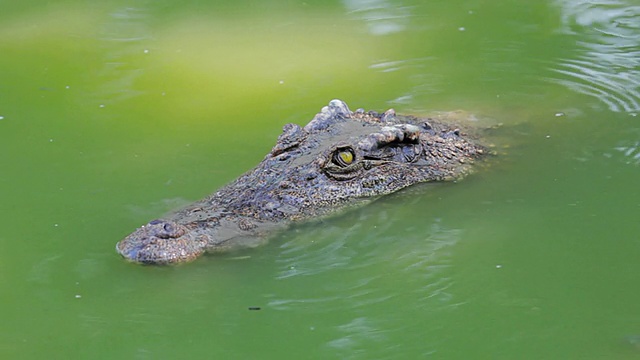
[343,157]
[346,156]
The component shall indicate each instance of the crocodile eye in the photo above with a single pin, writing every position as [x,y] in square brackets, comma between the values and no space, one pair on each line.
[343,157]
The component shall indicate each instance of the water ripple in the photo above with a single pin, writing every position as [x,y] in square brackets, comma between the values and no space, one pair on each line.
[608,63]
[387,65]
[631,152]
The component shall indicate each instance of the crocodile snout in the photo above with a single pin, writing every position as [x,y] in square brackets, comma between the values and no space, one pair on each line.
[162,242]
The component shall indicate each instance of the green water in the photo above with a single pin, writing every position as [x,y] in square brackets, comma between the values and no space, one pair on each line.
[113,114]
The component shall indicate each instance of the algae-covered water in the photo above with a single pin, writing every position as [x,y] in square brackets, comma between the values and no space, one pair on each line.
[114,113]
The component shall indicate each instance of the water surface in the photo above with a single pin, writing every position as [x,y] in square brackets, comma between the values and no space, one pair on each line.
[113,114]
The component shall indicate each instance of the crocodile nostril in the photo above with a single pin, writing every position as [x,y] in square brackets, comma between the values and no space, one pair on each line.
[171,229]
[164,229]
[168,228]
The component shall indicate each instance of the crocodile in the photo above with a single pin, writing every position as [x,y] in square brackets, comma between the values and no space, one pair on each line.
[341,158]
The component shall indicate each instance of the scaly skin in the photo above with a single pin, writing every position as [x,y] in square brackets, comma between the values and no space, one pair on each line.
[338,159]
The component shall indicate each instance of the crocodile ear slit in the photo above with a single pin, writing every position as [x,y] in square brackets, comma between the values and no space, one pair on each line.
[292,135]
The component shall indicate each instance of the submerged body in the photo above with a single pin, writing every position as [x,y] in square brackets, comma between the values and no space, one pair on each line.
[339,158]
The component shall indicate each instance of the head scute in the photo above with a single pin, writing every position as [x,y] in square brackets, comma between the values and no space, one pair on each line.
[400,133]
[337,110]
[388,116]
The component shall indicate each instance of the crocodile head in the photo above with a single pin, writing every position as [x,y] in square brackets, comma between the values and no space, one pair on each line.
[338,159]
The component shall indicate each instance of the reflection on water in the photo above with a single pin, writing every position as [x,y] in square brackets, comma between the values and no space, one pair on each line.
[382,17]
[368,249]
[608,38]
[126,37]
[365,243]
